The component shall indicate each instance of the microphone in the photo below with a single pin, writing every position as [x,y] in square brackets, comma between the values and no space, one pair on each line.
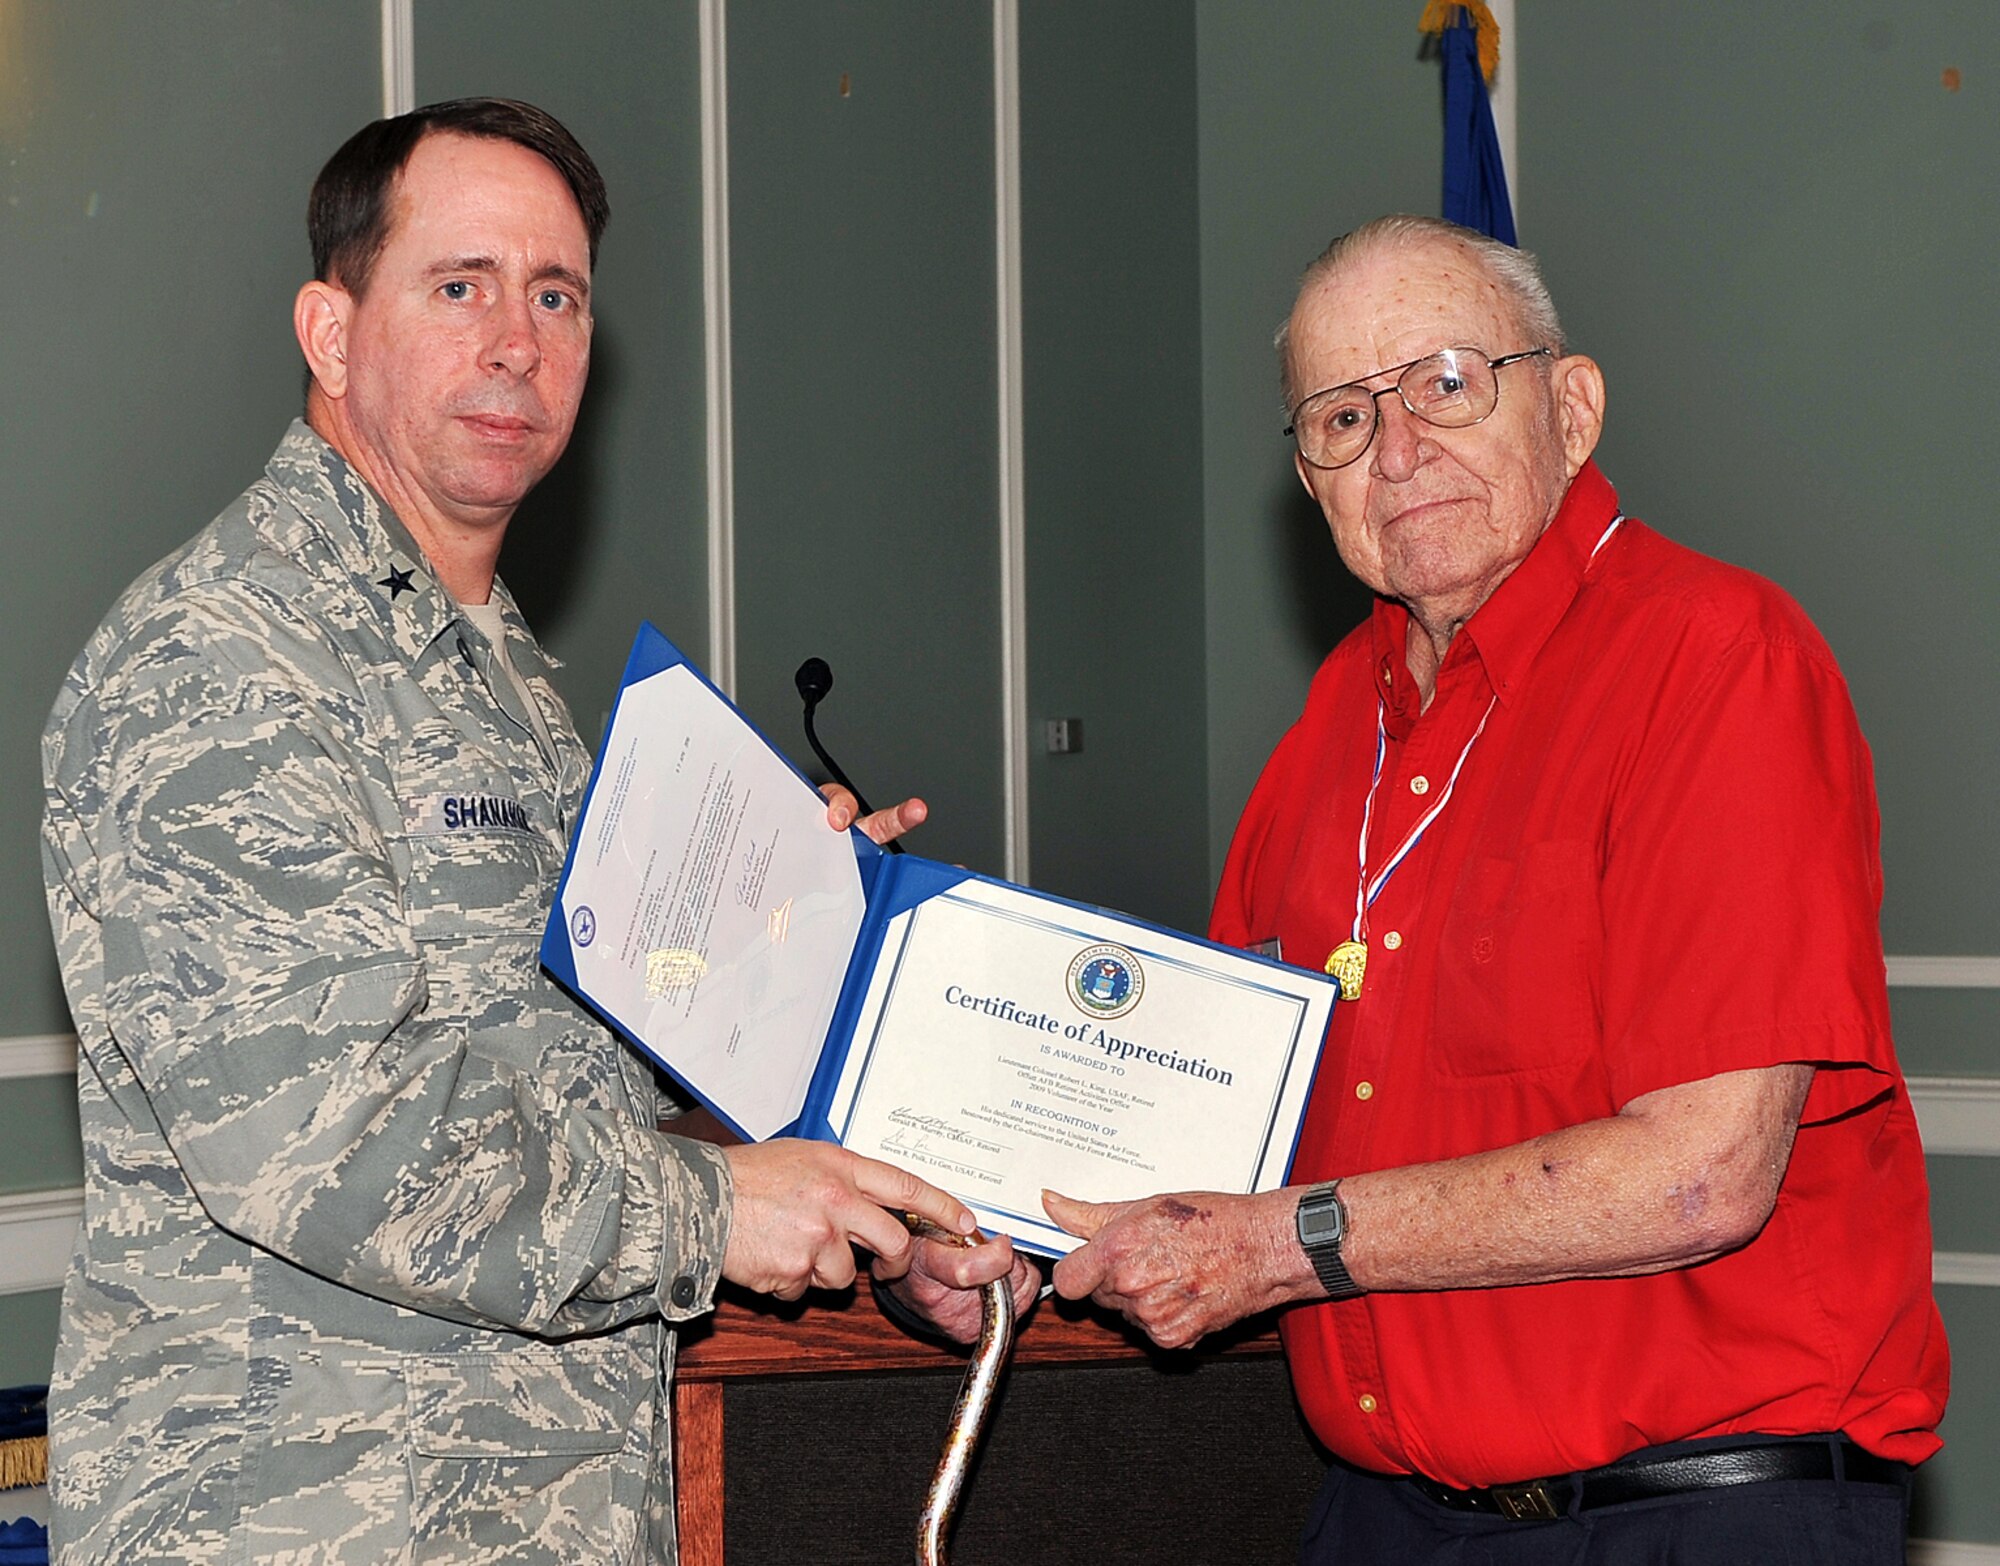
[814,680]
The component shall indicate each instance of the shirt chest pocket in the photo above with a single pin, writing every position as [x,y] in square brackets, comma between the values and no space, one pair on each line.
[1517,987]
[489,877]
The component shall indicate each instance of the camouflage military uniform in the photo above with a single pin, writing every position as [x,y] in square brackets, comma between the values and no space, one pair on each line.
[378,1237]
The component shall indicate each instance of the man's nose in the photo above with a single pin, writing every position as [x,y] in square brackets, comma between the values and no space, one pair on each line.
[514,345]
[1402,440]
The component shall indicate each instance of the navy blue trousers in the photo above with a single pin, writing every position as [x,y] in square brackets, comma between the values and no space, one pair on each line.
[1364,1519]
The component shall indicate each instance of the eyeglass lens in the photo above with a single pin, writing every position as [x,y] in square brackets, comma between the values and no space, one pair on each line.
[1450,389]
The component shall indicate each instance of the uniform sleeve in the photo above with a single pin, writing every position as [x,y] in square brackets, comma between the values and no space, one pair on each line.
[1743,885]
[271,999]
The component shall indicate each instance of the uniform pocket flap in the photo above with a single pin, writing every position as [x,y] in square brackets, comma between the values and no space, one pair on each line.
[545,1401]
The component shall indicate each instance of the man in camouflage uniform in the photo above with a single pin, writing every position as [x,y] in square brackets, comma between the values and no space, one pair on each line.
[381,1250]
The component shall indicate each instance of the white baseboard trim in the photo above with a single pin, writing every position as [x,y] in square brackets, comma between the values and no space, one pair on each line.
[37,1234]
[1959,1115]
[1950,1552]
[38,1055]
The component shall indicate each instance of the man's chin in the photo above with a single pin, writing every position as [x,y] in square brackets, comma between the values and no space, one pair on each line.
[496,485]
[1432,577]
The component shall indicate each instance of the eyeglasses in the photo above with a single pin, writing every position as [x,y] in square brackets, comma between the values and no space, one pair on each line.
[1452,389]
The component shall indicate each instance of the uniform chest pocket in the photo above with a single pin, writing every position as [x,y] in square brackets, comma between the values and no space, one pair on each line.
[533,1453]
[485,880]
[1517,987]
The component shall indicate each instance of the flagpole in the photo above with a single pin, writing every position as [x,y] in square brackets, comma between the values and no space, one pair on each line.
[1503,99]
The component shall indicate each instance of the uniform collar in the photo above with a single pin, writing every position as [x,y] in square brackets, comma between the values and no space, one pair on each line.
[389,569]
[1508,630]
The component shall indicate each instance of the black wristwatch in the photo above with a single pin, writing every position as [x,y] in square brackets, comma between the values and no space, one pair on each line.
[1322,1225]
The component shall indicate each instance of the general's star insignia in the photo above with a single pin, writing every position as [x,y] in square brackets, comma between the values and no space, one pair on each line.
[398,582]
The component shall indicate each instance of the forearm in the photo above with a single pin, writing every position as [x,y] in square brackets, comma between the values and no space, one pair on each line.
[1685,1175]
[1676,1177]
[380,1151]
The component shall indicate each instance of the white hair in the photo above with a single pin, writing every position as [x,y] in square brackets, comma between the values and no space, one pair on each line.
[1517,274]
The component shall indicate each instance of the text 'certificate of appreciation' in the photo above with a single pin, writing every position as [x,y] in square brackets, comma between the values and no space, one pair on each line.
[1009,1043]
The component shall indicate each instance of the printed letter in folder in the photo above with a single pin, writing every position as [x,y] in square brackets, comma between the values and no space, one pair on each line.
[995,1040]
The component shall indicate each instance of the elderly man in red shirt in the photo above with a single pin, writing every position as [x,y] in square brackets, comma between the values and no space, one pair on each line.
[1610,1241]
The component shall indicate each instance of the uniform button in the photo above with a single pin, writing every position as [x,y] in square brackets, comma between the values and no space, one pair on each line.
[1392,940]
[1364,1091]
[1366,1403]
[1420,784]
[683,1292]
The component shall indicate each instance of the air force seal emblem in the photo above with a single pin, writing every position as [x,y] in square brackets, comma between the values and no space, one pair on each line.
[1106,981]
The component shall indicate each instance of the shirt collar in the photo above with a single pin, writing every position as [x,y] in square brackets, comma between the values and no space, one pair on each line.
[1508,630]
[389,569]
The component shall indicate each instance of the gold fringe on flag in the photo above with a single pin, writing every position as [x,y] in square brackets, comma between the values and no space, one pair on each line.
[24,1462]
[1437,17]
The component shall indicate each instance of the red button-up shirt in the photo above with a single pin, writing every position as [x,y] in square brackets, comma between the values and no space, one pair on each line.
[1659,863]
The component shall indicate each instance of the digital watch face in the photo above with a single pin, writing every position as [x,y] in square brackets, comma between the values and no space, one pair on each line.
[1321,1221]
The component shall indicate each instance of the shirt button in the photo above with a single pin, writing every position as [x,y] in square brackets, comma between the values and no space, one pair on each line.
[1420,784]
[1392,940]
[682,1292]
[1366,1403]
[1364,1091]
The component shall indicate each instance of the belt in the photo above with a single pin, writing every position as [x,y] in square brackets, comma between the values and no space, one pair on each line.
[1642,1478]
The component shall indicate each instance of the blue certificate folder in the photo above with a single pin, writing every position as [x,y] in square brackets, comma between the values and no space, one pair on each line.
[991,1038]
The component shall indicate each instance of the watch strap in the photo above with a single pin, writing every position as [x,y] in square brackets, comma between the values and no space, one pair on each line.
[1333,1273]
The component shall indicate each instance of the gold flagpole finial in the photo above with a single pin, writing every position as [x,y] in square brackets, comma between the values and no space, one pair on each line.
[1437,17]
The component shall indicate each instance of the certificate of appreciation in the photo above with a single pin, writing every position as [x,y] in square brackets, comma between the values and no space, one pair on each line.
[995,1040]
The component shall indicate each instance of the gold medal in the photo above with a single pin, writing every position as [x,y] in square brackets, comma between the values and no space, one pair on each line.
[1347,964]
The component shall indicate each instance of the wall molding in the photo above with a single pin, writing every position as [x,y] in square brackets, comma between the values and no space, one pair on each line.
[38,1055]
[1012,454]
[1958,1115]
[399,57]
[1972,1268]
[718,374]
[37,1234]
[1950,1552]
[1944,973]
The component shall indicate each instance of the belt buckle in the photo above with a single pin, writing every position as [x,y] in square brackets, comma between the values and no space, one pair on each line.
[1525,1502]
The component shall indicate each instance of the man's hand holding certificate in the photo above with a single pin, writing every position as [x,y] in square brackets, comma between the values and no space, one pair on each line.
[991,1039]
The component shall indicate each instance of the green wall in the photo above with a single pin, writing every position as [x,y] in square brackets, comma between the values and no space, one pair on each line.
[152,235]
[1111,320]
[861,291]
[1778,236]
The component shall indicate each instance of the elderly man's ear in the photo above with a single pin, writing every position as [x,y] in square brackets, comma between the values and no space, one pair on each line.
[1579,389]
[319,318]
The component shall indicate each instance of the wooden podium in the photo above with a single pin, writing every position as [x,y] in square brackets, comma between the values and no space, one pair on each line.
[806,1434]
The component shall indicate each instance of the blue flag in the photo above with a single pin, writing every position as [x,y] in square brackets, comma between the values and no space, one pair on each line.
[1475,180]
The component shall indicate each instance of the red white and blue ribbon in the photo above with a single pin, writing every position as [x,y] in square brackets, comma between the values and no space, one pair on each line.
[1367,890]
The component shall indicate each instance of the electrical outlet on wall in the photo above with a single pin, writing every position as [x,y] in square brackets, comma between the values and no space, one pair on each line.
[1063,736]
